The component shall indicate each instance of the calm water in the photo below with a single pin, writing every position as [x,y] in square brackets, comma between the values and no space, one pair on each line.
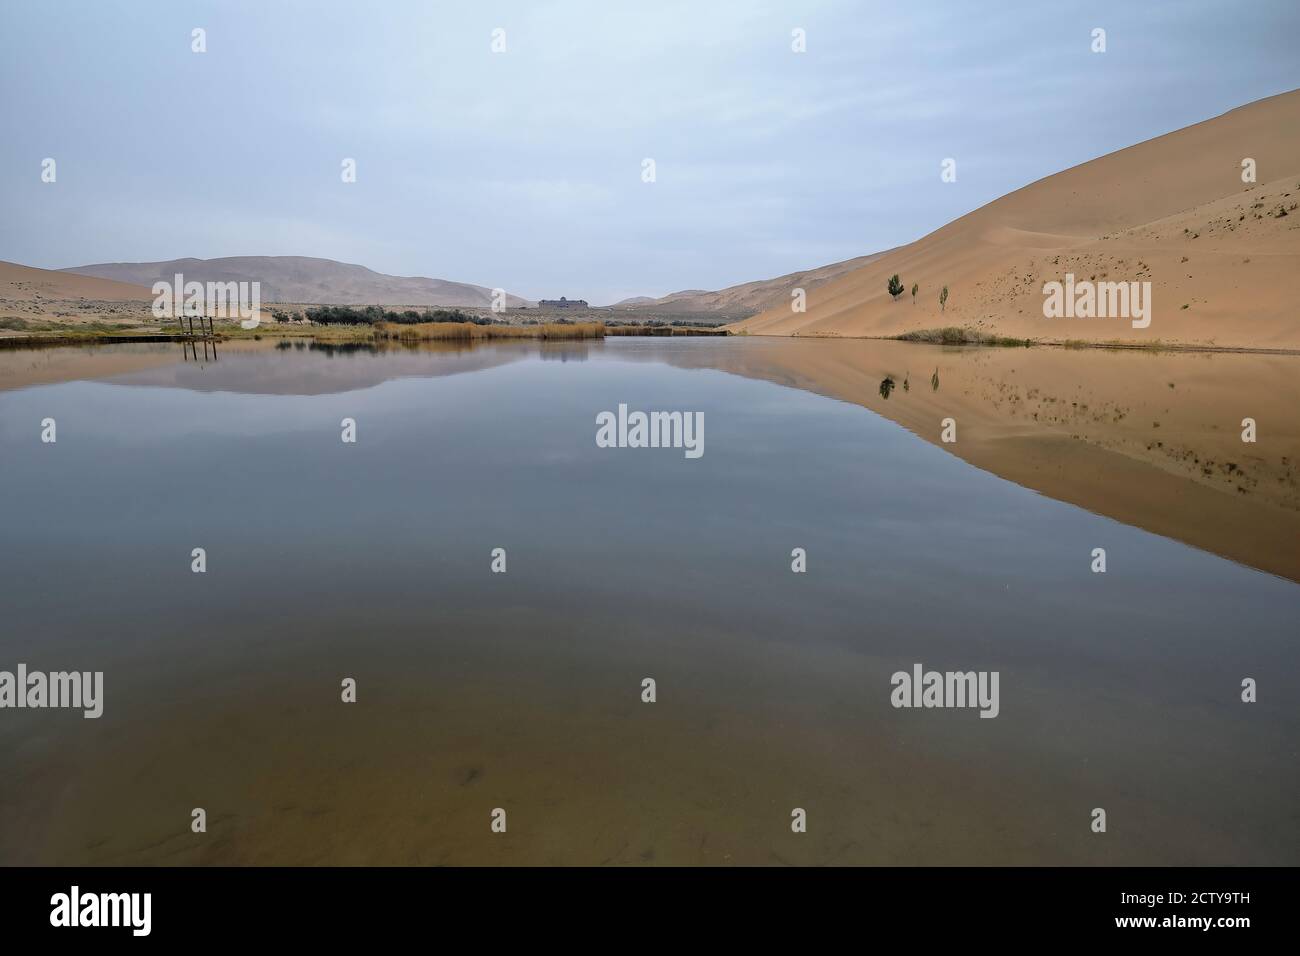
[523,690]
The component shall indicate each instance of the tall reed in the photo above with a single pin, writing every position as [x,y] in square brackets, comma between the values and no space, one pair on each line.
[427,331]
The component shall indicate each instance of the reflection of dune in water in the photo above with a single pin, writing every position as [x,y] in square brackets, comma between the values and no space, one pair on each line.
[1152,439]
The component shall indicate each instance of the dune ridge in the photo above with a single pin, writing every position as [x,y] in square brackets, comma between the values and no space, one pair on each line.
[19,283]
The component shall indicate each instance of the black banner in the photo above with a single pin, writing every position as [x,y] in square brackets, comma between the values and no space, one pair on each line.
[329,905]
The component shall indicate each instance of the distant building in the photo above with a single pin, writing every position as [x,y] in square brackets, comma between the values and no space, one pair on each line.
[562,303]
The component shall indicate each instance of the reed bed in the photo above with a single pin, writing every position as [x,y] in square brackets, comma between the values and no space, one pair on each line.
[442,331]
[960,335]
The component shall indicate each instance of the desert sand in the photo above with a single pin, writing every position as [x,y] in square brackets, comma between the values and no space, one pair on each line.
[43,300]
[20,283]
[1222,255]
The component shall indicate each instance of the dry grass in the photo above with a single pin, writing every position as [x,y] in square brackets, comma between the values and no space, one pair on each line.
[959,335]
[443,331]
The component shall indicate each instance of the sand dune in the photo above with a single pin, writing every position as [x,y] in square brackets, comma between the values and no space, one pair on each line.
[26,284]
[1222,256]
[306,279]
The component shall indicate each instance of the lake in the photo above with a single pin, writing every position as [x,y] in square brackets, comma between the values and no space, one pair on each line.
[478,690]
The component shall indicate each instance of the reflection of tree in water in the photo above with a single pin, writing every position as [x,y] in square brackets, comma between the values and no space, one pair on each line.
[907,383]
[331,349]
[564,351]
[934,380]
[886,386]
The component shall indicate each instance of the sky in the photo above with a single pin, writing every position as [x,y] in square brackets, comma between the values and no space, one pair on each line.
[525,169]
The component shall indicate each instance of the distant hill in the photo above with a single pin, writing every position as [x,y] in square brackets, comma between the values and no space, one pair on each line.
[748,298]
[302,279]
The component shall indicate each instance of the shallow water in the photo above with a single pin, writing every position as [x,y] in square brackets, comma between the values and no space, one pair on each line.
[522,690]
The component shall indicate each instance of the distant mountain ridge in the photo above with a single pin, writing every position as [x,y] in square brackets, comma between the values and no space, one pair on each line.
[304,279]
[748,297]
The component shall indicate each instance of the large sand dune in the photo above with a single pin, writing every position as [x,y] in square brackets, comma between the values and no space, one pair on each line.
[1222,256]
[27,284]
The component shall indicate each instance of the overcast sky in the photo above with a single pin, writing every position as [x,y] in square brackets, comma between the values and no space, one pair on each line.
[523,169]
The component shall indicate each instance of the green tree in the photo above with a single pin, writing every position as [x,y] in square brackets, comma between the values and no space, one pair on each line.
[943,298]
[895,286]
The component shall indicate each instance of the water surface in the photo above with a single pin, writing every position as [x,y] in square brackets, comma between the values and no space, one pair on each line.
[523,690]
